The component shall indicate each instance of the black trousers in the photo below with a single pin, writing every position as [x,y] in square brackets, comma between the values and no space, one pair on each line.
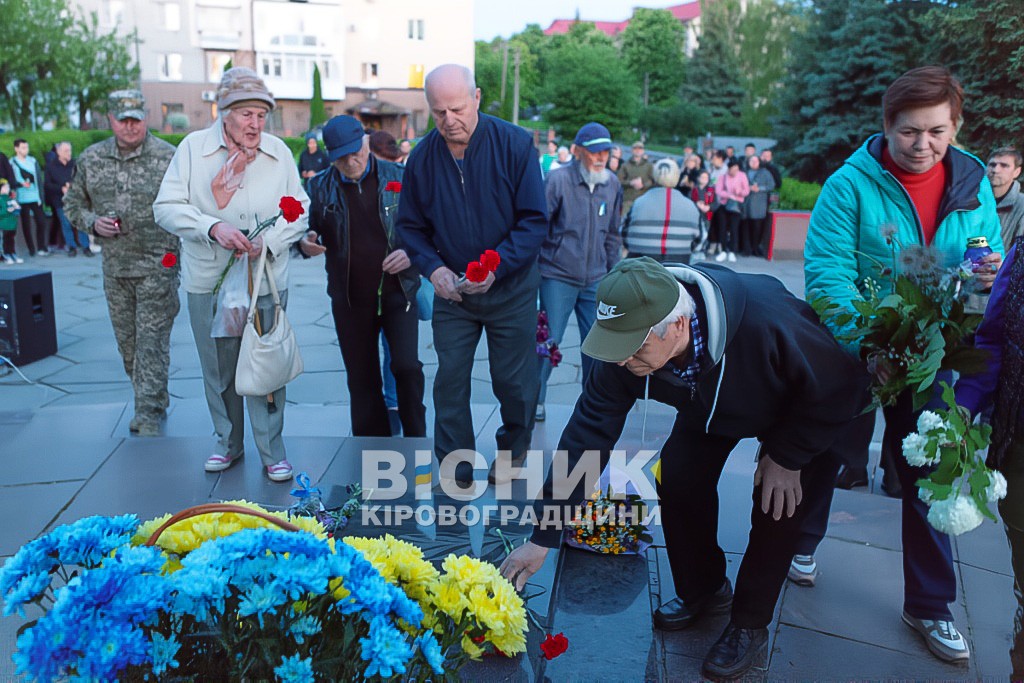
[42,226]
[691,466]
[358,331]
[730,234]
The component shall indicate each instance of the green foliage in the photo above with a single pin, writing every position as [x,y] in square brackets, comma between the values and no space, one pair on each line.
[652,47]
[795,195]
[317,110]
[982,41]
[764,34]
[50,58]
[839,69]
[592,84]
[490,60]
[673,124]
[713,77]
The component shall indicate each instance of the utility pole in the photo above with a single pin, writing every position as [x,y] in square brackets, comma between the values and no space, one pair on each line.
[515,92]
[504,69]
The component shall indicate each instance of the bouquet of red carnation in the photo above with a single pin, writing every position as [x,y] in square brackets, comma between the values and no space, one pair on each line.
[476,271]
[546,347]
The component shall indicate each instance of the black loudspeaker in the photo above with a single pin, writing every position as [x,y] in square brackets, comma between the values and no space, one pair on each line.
[28,331]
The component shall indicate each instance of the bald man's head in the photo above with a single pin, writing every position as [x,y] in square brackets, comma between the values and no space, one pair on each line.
[454,102]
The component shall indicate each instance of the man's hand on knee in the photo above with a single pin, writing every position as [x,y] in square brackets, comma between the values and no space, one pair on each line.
[780,488]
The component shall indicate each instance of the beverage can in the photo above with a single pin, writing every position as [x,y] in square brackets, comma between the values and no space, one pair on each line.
[117,219]
[977,249]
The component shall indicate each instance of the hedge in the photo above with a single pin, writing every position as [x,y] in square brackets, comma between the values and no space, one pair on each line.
[40,142]
[795,195]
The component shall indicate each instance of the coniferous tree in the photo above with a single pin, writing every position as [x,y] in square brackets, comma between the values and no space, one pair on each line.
[317,110]
[839,71]
[982,41]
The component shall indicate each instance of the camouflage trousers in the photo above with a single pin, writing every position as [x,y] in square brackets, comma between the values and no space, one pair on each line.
[142,311]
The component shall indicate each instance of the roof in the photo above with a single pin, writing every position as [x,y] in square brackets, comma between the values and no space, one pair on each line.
[686,12]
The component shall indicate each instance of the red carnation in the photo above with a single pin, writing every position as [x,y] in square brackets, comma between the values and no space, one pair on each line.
[291,209]
[393,186]
[490,260]
[169,260]
[554,645]
[476,272]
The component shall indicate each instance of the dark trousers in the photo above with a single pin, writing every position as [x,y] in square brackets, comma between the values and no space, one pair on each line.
[730,235]
[850,450]
[42,226]
[507,314]
[750,236]
[691,466]
[928,576]
[358,331]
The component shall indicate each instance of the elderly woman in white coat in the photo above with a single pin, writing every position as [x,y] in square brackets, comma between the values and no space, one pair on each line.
[220,182]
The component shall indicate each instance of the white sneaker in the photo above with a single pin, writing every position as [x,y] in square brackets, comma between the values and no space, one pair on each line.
[803,570]
[43,252]
[18,259]
[721,256]
[732,257]
[941,637]
[8,259]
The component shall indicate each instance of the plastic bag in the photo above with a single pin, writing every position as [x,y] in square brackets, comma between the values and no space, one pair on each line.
[232,301]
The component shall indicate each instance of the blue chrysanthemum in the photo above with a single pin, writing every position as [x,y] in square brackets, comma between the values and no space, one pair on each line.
[294,669]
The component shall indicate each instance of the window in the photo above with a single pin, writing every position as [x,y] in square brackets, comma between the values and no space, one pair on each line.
[115,12]
[416,76]
[325,68]
[215,63]
[277,67]
[415,29]
[172,16]
[169,66]
[266,66]
[369,72]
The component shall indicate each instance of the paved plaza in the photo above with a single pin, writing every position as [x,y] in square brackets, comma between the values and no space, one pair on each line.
[67,453]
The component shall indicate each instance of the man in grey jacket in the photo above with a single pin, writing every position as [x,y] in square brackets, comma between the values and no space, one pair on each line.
[584,202]
[1003,170]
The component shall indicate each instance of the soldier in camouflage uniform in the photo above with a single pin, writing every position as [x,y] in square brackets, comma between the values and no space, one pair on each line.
[112,198]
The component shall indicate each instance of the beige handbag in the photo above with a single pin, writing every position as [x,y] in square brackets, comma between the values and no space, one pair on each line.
[266,363]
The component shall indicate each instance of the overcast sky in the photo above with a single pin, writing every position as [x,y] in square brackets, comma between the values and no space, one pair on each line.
[504,17]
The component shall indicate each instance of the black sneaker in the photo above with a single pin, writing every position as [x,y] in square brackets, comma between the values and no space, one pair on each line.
[735,652]
[72,251]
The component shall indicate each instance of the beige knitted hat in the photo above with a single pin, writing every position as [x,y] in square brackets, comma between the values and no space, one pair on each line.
[240,85]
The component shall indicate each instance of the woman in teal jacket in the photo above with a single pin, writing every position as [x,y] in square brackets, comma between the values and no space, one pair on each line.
[911,184]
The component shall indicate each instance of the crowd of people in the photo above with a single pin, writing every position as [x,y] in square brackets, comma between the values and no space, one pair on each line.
[468,231]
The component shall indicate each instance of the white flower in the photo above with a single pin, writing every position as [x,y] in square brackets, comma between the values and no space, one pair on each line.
[925,495]
[955,515]
[929,422]
[996,489]
[913,450]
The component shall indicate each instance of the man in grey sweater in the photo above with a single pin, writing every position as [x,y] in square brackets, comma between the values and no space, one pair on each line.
[1003,169]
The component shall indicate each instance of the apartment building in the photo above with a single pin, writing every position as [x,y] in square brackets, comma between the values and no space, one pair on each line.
[372,55]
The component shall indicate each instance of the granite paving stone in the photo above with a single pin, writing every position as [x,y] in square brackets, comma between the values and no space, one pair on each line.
[21,503]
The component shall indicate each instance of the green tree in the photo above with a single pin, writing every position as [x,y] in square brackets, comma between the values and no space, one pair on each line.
[317,110]
[592,84]
[713,77]
[839,70]
[652,47]
[30,57]
[983,43]
[95,64]
[764,34]
[490,60]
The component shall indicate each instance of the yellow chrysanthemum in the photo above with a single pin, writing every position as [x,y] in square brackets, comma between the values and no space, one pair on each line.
[188,534]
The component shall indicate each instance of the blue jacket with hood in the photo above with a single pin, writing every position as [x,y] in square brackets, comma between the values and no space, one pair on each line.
[845,241]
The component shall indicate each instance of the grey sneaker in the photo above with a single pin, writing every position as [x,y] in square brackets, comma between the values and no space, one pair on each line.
[803,570]
[941,637]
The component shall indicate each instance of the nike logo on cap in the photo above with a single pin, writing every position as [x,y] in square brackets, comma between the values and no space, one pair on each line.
[606,312]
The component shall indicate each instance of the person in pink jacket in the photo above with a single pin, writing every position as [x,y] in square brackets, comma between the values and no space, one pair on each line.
[732,189]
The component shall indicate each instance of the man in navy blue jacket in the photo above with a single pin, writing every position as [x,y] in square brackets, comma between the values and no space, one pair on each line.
[470,185]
